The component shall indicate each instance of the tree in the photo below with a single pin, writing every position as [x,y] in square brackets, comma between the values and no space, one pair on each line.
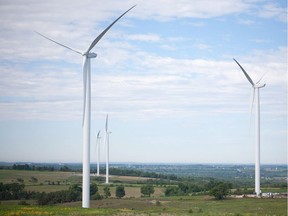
[171,191]
[33,179]
[93,189]
[120,191]
[183,187]
[74,192]
[147,190]
[107,192]
[221,190]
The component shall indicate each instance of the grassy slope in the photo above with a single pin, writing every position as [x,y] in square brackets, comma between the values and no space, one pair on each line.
[201,205]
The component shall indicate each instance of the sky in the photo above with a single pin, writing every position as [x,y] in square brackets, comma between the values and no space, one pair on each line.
[164,74]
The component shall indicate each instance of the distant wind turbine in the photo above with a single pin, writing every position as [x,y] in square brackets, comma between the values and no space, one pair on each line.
[87,55]
[107,149]
[256,86]
[98,142]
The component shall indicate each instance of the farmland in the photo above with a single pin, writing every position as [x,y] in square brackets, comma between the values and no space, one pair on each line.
[133,203]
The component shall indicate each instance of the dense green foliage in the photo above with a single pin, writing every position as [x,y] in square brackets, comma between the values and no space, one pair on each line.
[107,192]
[71,195]
[93,189]
[14,191]
[120,191]
[147,190]
[221,190]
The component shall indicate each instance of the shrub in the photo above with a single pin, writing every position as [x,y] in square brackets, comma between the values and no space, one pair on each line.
[93,189]
[221,190]
[147,190]
[96,196]
[120,191]
[171,191]
[107,192]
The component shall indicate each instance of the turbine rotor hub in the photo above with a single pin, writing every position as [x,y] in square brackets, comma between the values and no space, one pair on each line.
[259,85]
[91,55]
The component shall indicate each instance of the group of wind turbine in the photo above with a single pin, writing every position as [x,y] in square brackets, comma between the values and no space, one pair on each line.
[106,143]
[87,55]
[256,95]
[98,143]
[107,133]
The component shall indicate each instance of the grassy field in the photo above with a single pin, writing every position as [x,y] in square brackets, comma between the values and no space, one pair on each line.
[132,203]
[197,205]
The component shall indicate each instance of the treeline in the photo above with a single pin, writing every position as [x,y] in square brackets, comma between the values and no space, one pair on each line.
[15,191]
[32,167]
[74,193]
[158,178]
[130,172]
[218,189]
[112,171]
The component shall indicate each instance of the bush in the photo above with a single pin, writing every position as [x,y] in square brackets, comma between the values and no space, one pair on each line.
[120,191]
[171,191]
[147,190]
[221,190]
[93,189]
[71,195]
[11,191]
[23,202]
[107,192]
[96,196]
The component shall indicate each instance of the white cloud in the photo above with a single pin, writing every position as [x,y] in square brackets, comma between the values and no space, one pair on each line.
[165,82]
[146,37]
[272,10]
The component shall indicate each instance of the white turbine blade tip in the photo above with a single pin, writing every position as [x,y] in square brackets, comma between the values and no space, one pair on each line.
[245,73]
[96,40]
[60,44]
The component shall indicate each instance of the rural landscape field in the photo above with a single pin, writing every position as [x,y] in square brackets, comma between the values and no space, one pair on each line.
[188,192]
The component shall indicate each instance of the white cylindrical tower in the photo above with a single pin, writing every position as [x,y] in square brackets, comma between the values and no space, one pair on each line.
[86,137]
[257,143]
[107,157]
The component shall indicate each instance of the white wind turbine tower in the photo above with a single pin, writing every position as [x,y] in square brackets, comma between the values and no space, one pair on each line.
[107,149]
[256,86]
[98,142]
[87,55]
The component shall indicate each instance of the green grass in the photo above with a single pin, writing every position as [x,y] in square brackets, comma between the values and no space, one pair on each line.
[195,205]
[13,210]
[8,176]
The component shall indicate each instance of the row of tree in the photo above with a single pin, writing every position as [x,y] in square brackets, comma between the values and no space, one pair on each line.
[218,189]
[15,191]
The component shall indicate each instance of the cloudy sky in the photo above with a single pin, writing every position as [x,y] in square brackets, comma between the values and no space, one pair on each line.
[164,73]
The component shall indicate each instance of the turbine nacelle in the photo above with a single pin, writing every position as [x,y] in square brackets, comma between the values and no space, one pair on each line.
[259,85]
[90,55]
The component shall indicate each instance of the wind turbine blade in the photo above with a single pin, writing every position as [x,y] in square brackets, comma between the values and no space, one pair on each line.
[106,127]
[98,134]
[84,86]
[104,32]
[261,77]
[245,73]
[251,107]
[67,47]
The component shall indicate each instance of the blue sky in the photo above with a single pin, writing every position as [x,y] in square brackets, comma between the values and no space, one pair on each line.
[164,73]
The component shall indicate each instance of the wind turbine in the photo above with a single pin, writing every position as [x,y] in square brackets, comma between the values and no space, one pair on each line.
[98,152]
[87,55]
[107,149]
[256,86]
